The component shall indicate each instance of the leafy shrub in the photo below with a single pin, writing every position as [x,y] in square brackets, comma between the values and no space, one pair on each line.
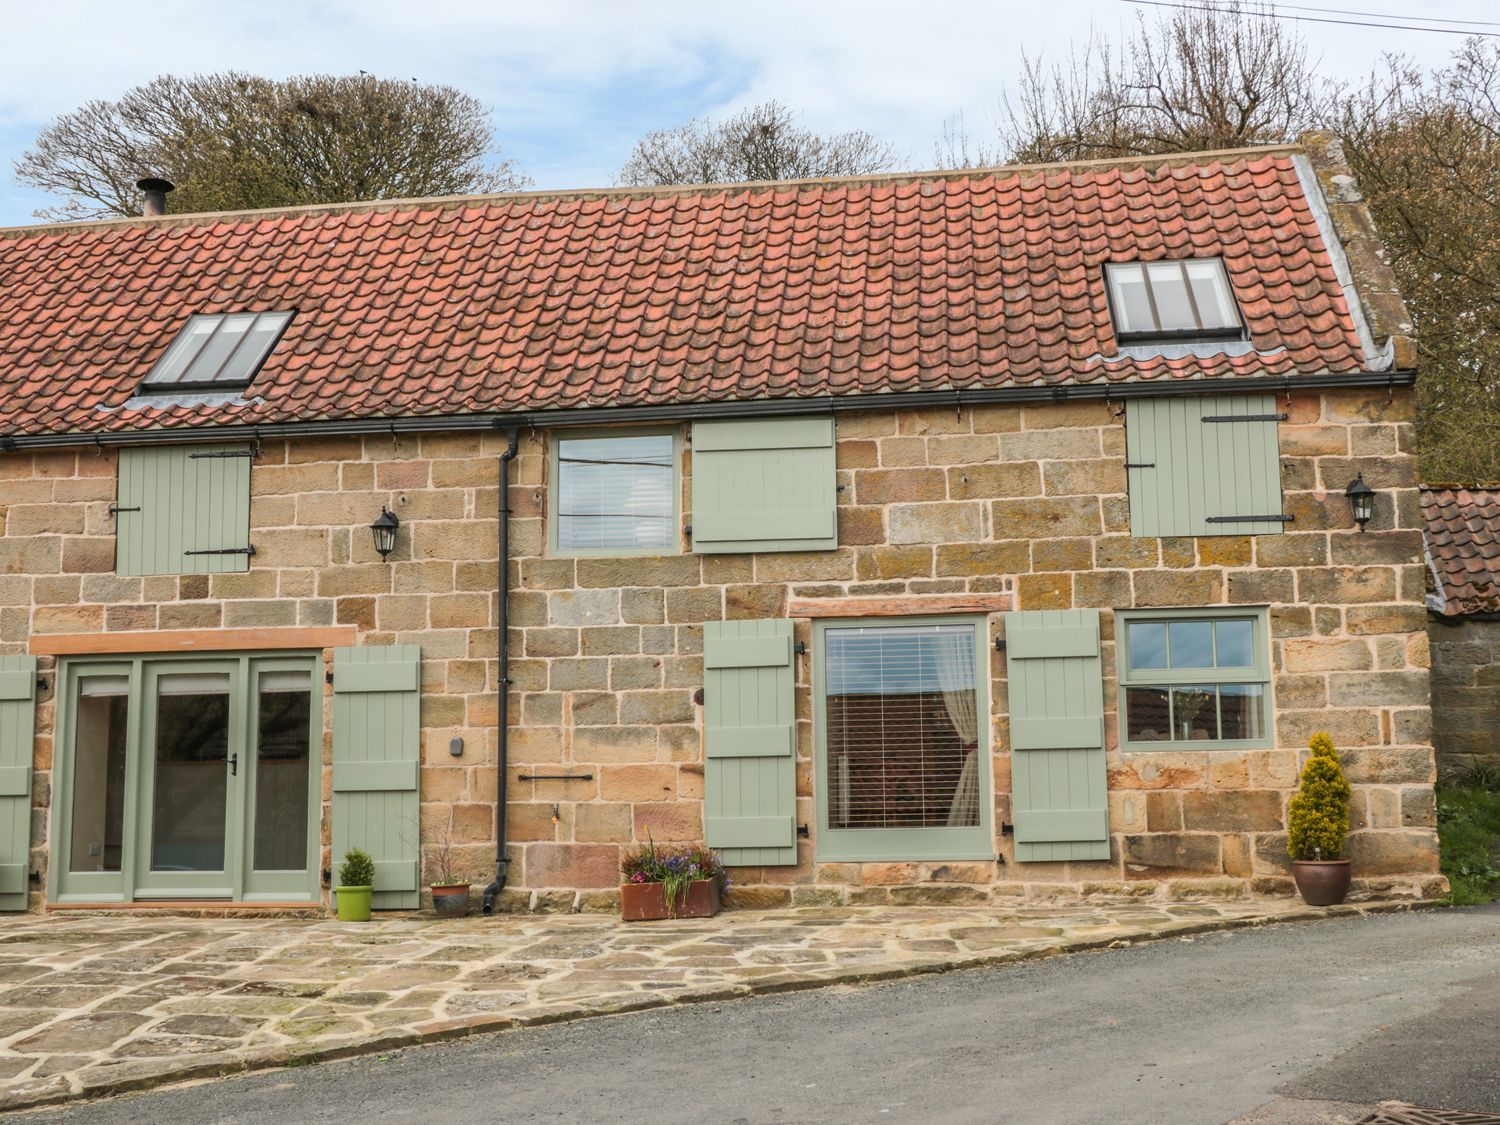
[1318,817]
[674,868]
[357,870]
[1468,810]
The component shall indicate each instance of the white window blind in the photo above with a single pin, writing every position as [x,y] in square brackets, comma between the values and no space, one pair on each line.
[903,727]
[616,493]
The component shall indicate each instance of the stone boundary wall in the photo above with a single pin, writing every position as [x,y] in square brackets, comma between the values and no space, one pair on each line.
[1465,693]
[607,652]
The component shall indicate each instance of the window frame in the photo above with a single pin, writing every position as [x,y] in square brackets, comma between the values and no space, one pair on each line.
[1257,674]
[151,386]
[904,845]
[554,480]
[1130,338]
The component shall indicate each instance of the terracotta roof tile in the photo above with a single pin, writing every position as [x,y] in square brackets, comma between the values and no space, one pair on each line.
[1461,529]
[527,303]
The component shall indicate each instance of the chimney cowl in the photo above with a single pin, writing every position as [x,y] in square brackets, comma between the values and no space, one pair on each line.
[155,189]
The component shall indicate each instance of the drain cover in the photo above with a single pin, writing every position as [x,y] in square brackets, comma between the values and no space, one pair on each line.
[1416,1115]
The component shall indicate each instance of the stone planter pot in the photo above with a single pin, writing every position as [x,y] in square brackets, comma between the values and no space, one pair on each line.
[1321,882]
[450,900]
[647,902]
[353,903]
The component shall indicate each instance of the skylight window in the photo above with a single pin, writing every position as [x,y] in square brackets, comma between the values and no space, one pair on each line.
[1184,300]
[218,352]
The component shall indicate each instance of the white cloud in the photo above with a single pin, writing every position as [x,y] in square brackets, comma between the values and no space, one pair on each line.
[574,82]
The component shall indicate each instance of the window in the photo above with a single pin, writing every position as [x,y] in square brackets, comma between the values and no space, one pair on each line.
[1156,300]
[904,726]
[615,494]
[218,352]
[1193,680]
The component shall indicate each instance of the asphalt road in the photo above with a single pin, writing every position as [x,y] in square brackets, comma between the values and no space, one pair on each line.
[1288,1023]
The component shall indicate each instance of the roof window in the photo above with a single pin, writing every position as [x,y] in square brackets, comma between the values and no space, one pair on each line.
[222,351]
[1181,300]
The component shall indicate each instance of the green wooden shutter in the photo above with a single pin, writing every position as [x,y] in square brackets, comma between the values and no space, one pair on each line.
[749,742]
[1058,786]
[376,764]
[173,501]
[1204,465]
[764,484]
[17,738]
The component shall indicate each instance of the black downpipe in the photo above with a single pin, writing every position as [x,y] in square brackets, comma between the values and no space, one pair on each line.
[502,750]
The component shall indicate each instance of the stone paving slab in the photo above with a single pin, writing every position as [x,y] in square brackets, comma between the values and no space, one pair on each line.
[93,1005]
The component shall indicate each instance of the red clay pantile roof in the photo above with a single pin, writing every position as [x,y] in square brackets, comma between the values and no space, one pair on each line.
[1461,528]
[499,304]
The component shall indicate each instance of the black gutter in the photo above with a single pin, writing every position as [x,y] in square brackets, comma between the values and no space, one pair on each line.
[502,680]
[760,407]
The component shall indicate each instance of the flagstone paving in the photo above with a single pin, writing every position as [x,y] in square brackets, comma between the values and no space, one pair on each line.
[92,1004]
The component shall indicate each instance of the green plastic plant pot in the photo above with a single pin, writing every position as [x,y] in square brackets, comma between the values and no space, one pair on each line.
[353,903]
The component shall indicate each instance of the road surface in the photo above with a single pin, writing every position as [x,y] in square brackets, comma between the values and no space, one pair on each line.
[1269,1025]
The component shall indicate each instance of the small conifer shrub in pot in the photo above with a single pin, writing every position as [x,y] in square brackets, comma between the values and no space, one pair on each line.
[1317,824]
[356,886]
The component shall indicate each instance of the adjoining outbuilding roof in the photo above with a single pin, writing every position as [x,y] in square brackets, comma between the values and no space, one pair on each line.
[1461,534]
[539,302]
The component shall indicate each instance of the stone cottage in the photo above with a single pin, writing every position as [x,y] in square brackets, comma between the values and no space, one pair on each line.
[914,538]
[1461,531]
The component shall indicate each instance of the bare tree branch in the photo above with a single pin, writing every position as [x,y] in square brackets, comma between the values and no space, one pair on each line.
[231,141]
[763,142]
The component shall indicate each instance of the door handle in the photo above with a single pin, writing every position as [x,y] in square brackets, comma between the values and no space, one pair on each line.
[234,764]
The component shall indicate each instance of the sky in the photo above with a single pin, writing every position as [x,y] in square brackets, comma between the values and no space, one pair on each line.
[573,83]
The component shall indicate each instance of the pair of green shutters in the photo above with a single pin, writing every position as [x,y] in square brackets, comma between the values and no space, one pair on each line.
[1057,738]
[1197,465]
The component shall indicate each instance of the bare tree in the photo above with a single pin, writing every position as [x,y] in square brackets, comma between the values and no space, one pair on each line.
[763,142]
[1425,149]
[232,141]
[1199,78]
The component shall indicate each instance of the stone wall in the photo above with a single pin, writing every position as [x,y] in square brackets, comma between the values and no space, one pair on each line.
[311,503]
[1465,693]
[1027,501]
[987,500]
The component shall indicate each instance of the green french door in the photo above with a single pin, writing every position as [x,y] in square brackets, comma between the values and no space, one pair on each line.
[188,778]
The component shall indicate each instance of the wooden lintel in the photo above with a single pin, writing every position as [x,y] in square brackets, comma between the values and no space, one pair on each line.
[190,640]
[899,606]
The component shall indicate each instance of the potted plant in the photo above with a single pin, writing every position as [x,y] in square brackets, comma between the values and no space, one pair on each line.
[1317,823]
[450,894]
[684,882]
[355,887]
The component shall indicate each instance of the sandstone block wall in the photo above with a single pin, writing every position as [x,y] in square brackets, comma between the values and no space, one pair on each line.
[311,504]
[1465,693]
[607,653]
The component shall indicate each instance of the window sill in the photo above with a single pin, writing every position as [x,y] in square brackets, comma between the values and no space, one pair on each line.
[616,553]
[1140,748]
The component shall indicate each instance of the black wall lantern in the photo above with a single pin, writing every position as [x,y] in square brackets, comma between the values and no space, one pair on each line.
[1361,500]
[384,531]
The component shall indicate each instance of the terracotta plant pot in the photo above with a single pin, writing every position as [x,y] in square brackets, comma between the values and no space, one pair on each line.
[647,902]
[1321,882]
[450,900]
